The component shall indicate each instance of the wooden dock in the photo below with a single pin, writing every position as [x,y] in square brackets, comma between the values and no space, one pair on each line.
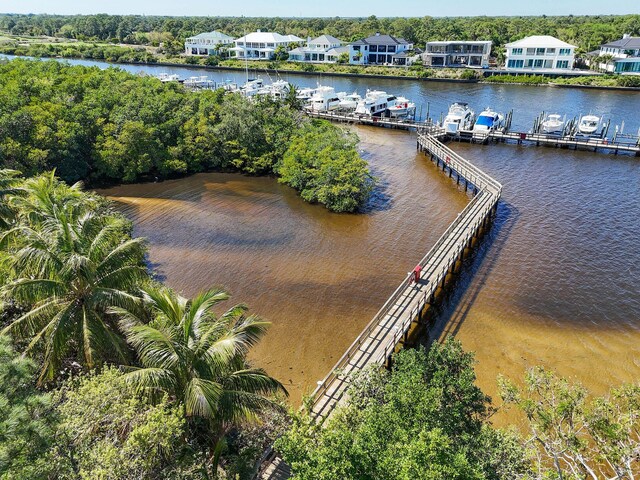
[355,119]
[557,141]
[390,326]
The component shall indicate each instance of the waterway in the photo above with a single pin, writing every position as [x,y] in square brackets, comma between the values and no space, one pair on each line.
[556,281]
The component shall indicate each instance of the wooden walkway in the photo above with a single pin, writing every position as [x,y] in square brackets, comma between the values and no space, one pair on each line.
[574,143]
[355,119]
[391,325]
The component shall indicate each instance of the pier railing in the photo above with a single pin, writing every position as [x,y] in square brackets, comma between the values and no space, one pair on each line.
[379,339]
[434,264]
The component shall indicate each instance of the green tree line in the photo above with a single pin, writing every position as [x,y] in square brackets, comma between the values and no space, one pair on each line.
[587,32]
[109,126]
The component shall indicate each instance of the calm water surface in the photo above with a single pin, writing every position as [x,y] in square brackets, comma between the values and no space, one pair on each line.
[556,282]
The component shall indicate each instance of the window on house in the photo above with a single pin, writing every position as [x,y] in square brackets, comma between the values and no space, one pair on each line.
[356,48]
[516,51]
[515,63]
[565,51]
[562,64]
[391,48]
[538,63]
[374,48]
[539,51]
[531,51]
[382,48]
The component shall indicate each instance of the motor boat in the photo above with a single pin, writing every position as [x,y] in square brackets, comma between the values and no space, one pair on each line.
[324,99]
[375,103]
[553,124]
[199,82]
[460,117]
[165,77]
[488,121]
[589,125]
[252,87]
[276,90]
[349,101]
[402,108]
[305,94]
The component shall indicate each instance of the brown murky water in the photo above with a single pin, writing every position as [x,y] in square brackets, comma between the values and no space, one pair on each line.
[557,280]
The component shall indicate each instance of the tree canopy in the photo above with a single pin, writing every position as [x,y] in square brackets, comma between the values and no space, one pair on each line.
[109,126]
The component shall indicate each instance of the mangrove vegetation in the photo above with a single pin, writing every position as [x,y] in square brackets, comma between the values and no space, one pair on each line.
[107,127]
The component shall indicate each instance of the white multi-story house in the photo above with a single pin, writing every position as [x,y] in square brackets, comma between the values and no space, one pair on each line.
[625,54]
[379,50]
[207,43]
[457,54]
[325,48]
[262,45]
[539,53]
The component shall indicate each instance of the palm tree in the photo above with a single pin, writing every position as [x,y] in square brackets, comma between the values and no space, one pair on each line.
[70,265]
[199,359]
[8,188]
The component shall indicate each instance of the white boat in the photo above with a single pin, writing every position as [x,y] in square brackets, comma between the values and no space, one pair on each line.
[305,94]
[349,101]
[553,124]
[165,77]
[589,125]
[488,121]
[324,99]
[402,108]
[252,86]
[460,117]
[375,103]
[276,90]
[199,82]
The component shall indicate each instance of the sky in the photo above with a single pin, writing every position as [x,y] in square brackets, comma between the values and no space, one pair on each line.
[324,8]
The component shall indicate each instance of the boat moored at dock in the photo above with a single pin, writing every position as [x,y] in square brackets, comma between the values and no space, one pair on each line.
[488,121]
[375,103]
[460,117]
[402,108]
[553,124]
[589,125]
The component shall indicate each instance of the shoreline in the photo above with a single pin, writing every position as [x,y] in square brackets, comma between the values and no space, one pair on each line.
[346,74]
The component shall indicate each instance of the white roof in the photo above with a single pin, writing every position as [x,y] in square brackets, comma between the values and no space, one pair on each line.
[324,39]
[540,41]
[268,37]
[213,36]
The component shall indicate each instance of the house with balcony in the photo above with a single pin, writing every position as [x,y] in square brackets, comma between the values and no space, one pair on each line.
[457,54]
[539,53]
[379,50]
[262,45]
[624,55]
[324,49]
[207,43]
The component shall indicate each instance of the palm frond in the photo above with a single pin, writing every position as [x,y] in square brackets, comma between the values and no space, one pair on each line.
[201,398]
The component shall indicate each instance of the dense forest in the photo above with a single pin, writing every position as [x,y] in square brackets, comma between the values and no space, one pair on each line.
[109,126]
[588,32]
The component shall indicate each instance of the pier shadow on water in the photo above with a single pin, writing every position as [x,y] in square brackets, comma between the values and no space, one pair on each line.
[461,294]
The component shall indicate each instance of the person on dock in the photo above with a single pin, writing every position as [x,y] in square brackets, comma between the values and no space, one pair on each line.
[415,278]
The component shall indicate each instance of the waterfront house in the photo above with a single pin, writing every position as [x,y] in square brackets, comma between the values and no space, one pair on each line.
[539,53]
[262,45]
[457,54]
[624,55]
[325,49]
[207,43]
[379,50]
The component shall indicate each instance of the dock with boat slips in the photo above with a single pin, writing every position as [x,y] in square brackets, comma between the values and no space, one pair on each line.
[619,144]
[390,327]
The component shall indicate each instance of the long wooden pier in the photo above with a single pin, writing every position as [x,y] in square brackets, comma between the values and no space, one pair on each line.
[574,143]
[390,326]
[355,119]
